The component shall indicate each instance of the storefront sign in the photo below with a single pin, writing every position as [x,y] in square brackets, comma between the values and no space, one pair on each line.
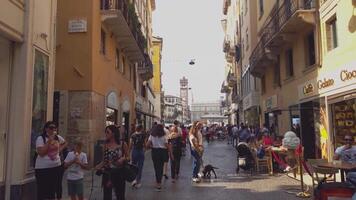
[271,102]
[77,26]
[347,75]
[308,88]
[325,83]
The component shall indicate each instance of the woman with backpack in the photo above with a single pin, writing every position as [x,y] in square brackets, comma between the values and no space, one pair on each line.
[137,142]
[175,143]
[48,169]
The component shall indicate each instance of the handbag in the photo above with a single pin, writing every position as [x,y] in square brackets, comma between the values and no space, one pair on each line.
[130,172]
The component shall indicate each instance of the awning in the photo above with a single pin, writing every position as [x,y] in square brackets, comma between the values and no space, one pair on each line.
[146,114]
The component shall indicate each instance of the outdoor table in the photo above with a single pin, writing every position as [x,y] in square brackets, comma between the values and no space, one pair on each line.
[342,166]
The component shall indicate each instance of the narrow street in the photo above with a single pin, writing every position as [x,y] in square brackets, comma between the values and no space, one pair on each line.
[228,185]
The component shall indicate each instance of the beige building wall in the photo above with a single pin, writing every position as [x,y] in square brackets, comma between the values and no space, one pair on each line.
[27,36]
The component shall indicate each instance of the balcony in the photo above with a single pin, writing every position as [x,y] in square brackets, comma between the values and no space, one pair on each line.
[226,45]
[121,18]
[237,53]
[226,5]
[145,69]
[231,79]
[225,88]
[283,24]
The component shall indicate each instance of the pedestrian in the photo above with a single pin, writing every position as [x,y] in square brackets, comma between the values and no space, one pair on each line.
[48,167]
[115,156]
[235,133]
[160,151]
[75,162]
[184,139]
[175,143]
[165,166]
[137,143]
[196,143]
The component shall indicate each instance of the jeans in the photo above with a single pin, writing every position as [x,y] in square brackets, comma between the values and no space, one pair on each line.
[47,182]
[196,163]
[159,156]
[175,163]
[138,158]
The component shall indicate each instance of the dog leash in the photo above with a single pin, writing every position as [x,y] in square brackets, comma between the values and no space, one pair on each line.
[92,184]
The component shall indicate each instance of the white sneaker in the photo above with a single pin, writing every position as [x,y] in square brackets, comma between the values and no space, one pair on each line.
[138,185]
[195,180]
[133,184]
[200,174]
[287,169]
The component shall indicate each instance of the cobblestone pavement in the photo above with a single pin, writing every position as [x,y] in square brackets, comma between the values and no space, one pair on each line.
[228,185]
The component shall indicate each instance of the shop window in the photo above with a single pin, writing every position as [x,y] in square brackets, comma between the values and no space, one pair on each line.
[331,33]
[289,63]
[310,49]
[39,99]
[103,42]
[344,120]
[111,116]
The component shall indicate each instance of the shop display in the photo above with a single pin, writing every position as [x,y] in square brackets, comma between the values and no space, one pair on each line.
[344,120]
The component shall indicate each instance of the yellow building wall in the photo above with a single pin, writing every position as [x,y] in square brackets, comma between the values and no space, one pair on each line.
[156,60]
[346,33]
[71,63]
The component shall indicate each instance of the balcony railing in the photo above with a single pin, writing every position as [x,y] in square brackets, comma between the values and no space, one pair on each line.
[145,69]
[275,25]
[231,79]
[116,10]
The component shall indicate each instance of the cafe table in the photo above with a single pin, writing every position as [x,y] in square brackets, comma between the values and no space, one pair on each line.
[342,166]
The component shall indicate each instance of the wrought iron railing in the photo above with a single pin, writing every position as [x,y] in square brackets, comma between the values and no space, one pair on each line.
[129,13]
[275,23]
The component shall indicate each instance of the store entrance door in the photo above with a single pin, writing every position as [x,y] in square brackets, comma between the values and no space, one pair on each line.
[4,105]
[307,129]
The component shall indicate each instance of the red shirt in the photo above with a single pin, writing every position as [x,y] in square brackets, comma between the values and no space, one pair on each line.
[267,141]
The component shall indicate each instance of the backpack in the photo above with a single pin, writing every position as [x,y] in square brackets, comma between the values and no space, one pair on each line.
[44,142]
[138,140]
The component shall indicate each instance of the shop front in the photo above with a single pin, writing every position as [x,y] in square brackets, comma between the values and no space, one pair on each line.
[272,114]
[251,109]
[331,99]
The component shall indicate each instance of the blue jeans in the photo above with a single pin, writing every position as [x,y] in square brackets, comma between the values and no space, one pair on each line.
[196,163]
[138,157]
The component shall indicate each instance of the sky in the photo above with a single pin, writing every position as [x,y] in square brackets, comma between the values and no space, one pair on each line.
[191,29]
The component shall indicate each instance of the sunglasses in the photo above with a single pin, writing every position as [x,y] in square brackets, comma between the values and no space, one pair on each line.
[349,140]
[52,127]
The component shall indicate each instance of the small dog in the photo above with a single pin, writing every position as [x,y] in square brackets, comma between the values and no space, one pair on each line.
[207,171]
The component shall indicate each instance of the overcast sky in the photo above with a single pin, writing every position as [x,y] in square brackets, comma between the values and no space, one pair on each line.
[191,29]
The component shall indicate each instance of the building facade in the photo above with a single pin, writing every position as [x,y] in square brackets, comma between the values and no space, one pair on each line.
[103,64]
[157,76]
[184,95]
[27,43]
[173,109]
[303,58]
[232,48]
[201,109]
[250,85]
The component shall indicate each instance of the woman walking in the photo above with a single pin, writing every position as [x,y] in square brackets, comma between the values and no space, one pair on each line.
[159,144]
[196,143]
[48,170]
[115,157]
[137,142]
[175,143]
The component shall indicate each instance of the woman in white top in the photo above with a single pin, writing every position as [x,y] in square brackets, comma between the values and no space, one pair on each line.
[48,163]
[160,150]
[196,143]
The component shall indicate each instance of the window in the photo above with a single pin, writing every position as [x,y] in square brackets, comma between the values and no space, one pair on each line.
[261,8]
[247,41]
[277,77]
[289,63]
[246,7]
[39,99]
[310,49]
[117,59]
[331,34]
[123,65]
[102,42]
[263,84]
[111,116]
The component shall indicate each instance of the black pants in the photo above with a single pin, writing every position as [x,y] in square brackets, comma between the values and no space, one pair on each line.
[159,156]
[175,163]
[47,182]
[117,180]
[59,182]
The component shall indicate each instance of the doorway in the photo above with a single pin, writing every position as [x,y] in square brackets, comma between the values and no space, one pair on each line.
[5,63]
[308,128]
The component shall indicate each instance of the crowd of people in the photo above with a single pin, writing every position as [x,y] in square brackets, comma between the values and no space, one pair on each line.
[167,144]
